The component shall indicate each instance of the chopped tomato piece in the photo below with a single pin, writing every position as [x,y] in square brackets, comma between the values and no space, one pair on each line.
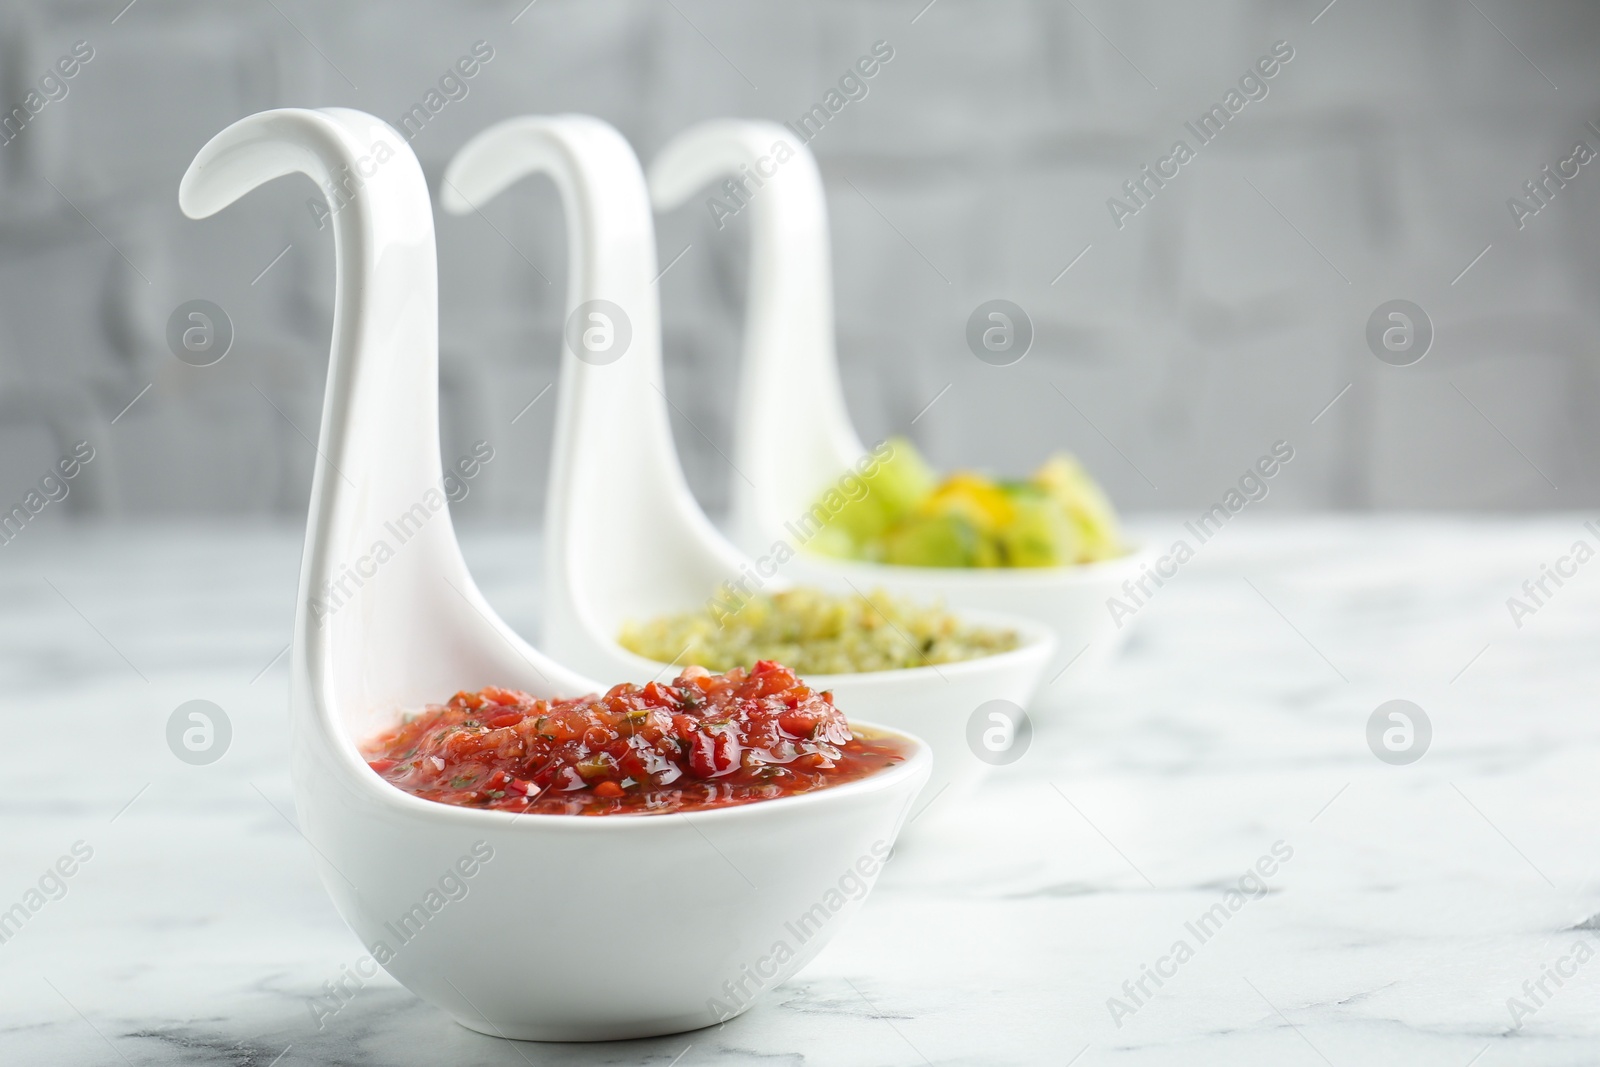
[703,741]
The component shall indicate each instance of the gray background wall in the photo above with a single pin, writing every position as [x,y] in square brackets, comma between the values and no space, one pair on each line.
[1226,315]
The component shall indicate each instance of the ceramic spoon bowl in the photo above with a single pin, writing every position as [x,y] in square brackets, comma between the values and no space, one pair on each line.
[789,363]
[539,927]
[625,539]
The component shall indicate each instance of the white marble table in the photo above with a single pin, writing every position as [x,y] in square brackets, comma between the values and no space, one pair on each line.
[1418,898]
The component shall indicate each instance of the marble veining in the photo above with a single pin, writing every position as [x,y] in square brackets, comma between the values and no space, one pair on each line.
[1415,902]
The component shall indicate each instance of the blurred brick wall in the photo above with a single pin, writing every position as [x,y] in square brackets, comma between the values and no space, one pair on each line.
[1226,314]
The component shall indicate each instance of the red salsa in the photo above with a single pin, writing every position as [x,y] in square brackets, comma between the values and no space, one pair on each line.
[704,741]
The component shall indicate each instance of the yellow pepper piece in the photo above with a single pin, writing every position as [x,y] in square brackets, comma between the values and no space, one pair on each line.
[974,498]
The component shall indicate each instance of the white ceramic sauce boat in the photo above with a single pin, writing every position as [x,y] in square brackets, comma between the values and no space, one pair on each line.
[789,364]
[625,540]
[536,927]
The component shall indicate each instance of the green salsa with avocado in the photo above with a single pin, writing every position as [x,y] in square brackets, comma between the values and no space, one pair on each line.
[910,517]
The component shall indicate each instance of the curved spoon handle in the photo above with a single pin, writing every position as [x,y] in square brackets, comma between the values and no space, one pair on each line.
[379,442]
[388,613]
[624,535]
[789,364]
